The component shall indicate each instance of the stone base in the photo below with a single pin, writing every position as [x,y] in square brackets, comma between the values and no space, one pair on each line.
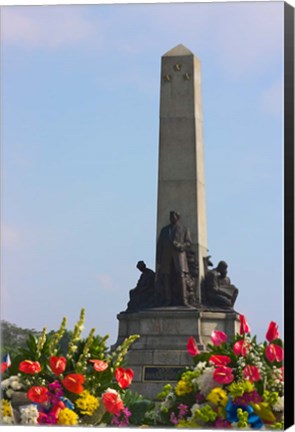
[160,353]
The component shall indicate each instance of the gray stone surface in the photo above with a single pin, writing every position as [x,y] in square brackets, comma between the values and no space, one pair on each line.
[181,181]
[164,333]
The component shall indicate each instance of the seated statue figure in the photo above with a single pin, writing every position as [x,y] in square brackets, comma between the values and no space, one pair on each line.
[143,295]
[217,290]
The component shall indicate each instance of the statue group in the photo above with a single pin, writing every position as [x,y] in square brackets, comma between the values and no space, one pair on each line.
[175,281]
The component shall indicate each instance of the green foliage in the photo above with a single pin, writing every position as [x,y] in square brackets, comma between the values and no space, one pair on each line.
[139,407]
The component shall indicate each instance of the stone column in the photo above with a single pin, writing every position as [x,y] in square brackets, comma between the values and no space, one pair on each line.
[181,178]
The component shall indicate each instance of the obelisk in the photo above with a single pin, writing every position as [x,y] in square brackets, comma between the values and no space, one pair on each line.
[181,177]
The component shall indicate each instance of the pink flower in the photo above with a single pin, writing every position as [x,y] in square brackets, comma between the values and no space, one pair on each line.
[223,375]
[241,347]
[192,347]
[252,373]
[272,332]
[218,337]
[244,326]
[219,359]
[274,353]
[99,365]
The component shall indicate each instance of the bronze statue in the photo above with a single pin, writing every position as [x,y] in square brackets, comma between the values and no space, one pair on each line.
[172,264]
[143,295]
[217,290]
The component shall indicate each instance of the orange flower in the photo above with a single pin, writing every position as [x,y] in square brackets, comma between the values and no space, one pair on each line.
[99,365]
[112,401]
[38,394]
[29,367]
[73,383]
[124,377]
[57,364]
[192,347]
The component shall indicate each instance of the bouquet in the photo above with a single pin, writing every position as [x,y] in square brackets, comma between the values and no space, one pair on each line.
[237,384]
[85,385]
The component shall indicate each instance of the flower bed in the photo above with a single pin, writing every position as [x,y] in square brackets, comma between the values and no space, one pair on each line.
[236,384]
[87,386]
[232,385]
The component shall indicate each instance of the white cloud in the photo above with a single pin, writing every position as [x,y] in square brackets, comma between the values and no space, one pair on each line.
[105,282]
[47,27]
[10,237]
[272,99]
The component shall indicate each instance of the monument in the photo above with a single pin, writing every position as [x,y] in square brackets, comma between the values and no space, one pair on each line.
[182,298]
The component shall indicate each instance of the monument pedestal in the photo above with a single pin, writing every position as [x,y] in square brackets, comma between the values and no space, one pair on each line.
[160,352]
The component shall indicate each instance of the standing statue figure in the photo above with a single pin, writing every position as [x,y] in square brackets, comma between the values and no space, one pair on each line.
[172,264]
[217,290]
[143,295]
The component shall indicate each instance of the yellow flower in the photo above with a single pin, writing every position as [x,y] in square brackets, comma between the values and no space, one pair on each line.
[87,403]
[190,424]
[5,408]
[67,417]
[183,387]
[263,411]
[218,397]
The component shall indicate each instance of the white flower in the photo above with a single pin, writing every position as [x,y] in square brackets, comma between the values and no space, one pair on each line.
[8,420]
[29,414]
[194,408]
[206,382]
[5,384]
[279,405]
[200,366]
[9,393]
[15,383]
[110,390]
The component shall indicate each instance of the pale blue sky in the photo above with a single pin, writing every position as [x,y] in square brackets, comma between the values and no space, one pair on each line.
[80,126]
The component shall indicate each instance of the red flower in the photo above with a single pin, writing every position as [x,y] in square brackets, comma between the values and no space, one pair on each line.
[272,332]
[57,364]
[192,347]
[38,394]
[223,375]
[124,377]
[274,353]
[241,347]
[112,402]
[73,383]
[4,367]
[244,326]
[252,373]
[219,359]
[55,410]
[99,365]
[218,337]
[29,367]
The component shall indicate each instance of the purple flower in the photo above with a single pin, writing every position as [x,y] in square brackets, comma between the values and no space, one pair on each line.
[182,410]
[247,398]
[173,418]
[221,423]
[121,419]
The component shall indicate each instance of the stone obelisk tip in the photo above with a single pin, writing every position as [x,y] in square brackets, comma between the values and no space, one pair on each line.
[179,50]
